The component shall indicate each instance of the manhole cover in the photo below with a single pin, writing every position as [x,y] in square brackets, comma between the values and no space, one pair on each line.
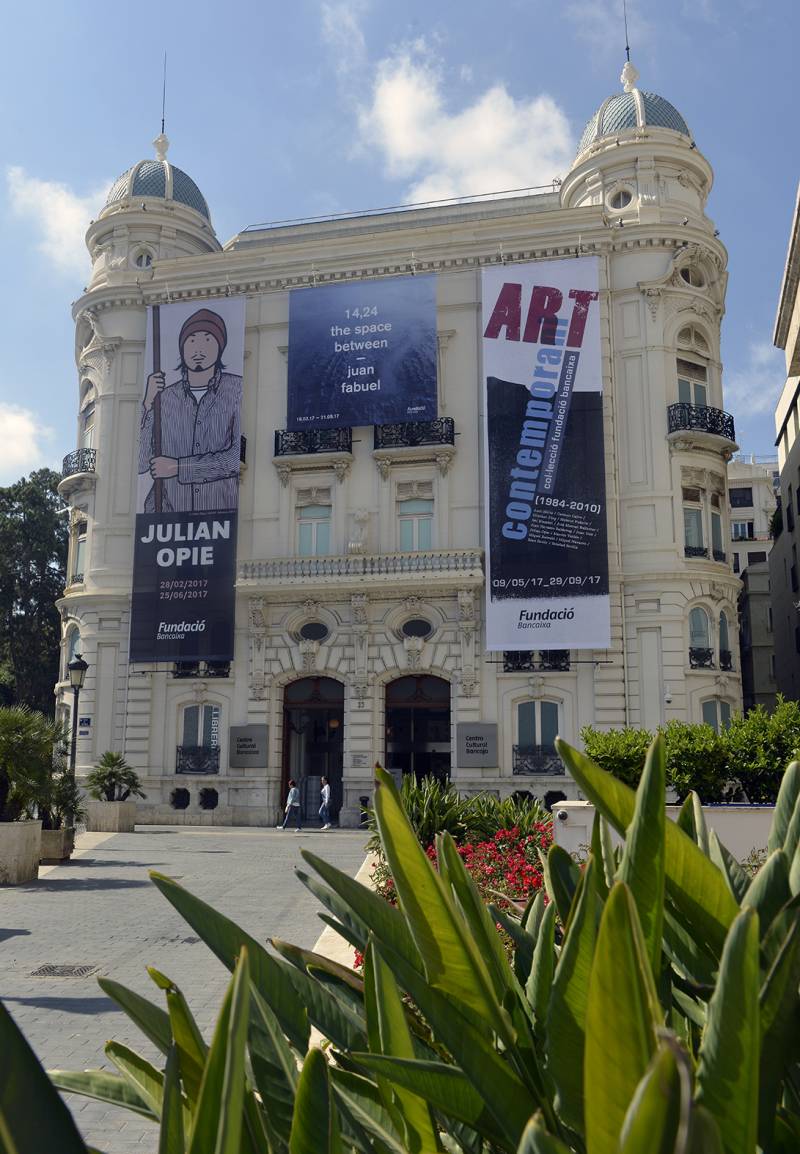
[60,971]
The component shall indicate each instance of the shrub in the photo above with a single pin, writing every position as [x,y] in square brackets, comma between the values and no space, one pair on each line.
[112,779]
[432,807]
[618,751]
[759,745]
[696,759]
[27,742]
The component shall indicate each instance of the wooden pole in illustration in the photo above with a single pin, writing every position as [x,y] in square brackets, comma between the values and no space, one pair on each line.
[158,483]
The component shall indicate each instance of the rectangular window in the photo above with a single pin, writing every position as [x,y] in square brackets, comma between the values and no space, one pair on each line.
[741,497]
[692,389]
[201,726]
[716,533]
[693,528]
[742,530]
[769,618]
[724,714]
[416,524]
[79,557]
[87,427]
[754,558]
[772,666]
[314,530]
[736,562]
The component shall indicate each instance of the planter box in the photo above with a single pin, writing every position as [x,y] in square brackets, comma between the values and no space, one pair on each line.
[57,845]
[740,828]
[110,816]
[20,849]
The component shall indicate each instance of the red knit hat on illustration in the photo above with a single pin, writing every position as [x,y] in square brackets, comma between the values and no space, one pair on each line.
[204,321]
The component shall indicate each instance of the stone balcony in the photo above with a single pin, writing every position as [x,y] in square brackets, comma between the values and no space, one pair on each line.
[701,427]
[440,570]
[77,470]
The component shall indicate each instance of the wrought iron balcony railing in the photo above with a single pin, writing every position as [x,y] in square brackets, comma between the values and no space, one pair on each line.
[197,759]
[76,579]
[289,443]
[442,431]
[207,669]
[695,551]
[536,759]
[725,659]
[79,461]
[700,418]
[701,658]
[527,661]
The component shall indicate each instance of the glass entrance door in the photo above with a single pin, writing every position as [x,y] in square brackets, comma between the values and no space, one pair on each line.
[313,740]
[418,727]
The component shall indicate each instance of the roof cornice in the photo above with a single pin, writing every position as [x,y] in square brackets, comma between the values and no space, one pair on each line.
[789,283]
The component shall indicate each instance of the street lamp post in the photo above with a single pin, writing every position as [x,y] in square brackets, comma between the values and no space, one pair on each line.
[77,675]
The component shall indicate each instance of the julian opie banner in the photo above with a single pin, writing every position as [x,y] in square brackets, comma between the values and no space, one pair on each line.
[362,353]
[184,561]
[547,558]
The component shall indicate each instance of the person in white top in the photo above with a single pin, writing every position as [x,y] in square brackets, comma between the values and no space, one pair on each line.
[325,801]
[293,810]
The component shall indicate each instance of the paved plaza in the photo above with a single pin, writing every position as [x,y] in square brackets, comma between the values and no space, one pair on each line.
[102,910]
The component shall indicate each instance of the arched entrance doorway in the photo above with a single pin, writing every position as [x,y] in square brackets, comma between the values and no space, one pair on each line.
[313,740]
[418,726]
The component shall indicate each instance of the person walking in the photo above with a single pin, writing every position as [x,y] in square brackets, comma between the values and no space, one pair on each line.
[292,807]
[325,801]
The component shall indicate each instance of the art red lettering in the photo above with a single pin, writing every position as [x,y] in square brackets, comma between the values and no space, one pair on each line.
[507,313]
[580,312]
[542,315]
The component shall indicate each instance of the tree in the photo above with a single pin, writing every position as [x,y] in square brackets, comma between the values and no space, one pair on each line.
[33,555]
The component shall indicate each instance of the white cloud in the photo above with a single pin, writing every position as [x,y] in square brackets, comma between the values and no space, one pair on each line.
[58,215]
[21,435]
[495,143]
[755,387]
[341,30]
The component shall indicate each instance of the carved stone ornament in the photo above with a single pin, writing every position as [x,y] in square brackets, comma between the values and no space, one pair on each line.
[412,604]
[536,686]
[443,462]
[360,692]
[311,606]
[469,686]
[652,297]
[199,691]
[721,681]
[413,647]
[341,469]
[285,473]
[308,655]
[466,605]
[257,620]
[384,466]
[358,608]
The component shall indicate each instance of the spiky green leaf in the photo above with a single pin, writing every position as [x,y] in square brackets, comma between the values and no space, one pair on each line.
[642,866]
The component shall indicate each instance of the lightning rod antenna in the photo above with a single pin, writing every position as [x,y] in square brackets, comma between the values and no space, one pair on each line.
[624,17]
[164,95]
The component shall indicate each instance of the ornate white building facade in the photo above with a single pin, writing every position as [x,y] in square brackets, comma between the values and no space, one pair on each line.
[360,551]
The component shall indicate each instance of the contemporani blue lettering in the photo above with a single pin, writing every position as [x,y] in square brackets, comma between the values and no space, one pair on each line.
[525,474]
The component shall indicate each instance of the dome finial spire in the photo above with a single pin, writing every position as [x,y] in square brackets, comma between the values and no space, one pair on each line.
[629,76]
[161,145]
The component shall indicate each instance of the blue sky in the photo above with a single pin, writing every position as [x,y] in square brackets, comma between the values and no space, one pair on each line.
[319,106]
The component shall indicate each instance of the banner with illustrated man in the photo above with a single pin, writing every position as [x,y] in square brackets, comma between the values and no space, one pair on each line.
[362,353]
[184,564]
[546,535]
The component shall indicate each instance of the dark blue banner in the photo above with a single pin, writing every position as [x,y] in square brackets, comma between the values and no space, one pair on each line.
[362,353]
[184,569]
[184,558]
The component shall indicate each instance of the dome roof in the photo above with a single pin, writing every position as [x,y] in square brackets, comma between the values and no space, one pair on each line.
[631,109]
[158,178]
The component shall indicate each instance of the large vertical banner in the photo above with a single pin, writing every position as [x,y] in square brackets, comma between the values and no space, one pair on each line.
[547,554]
[184,564]
[362,353]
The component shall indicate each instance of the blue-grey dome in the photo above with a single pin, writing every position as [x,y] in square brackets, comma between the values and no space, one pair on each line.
[158,178]
[633,109]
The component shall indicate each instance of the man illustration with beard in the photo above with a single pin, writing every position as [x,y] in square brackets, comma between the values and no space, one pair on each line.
[198,462]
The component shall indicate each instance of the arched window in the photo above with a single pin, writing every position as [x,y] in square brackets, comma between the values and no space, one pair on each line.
[716,713]
[87,416]
[692,368]
[537,729]
[724,643]
[701,655]
[72,647]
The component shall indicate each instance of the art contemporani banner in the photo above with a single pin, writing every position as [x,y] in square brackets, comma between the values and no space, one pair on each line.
[362,353]
[547,557]
[184,563]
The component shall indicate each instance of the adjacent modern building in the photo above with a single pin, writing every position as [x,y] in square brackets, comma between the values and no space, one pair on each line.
[783,566]
[359,618]
[753,486]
